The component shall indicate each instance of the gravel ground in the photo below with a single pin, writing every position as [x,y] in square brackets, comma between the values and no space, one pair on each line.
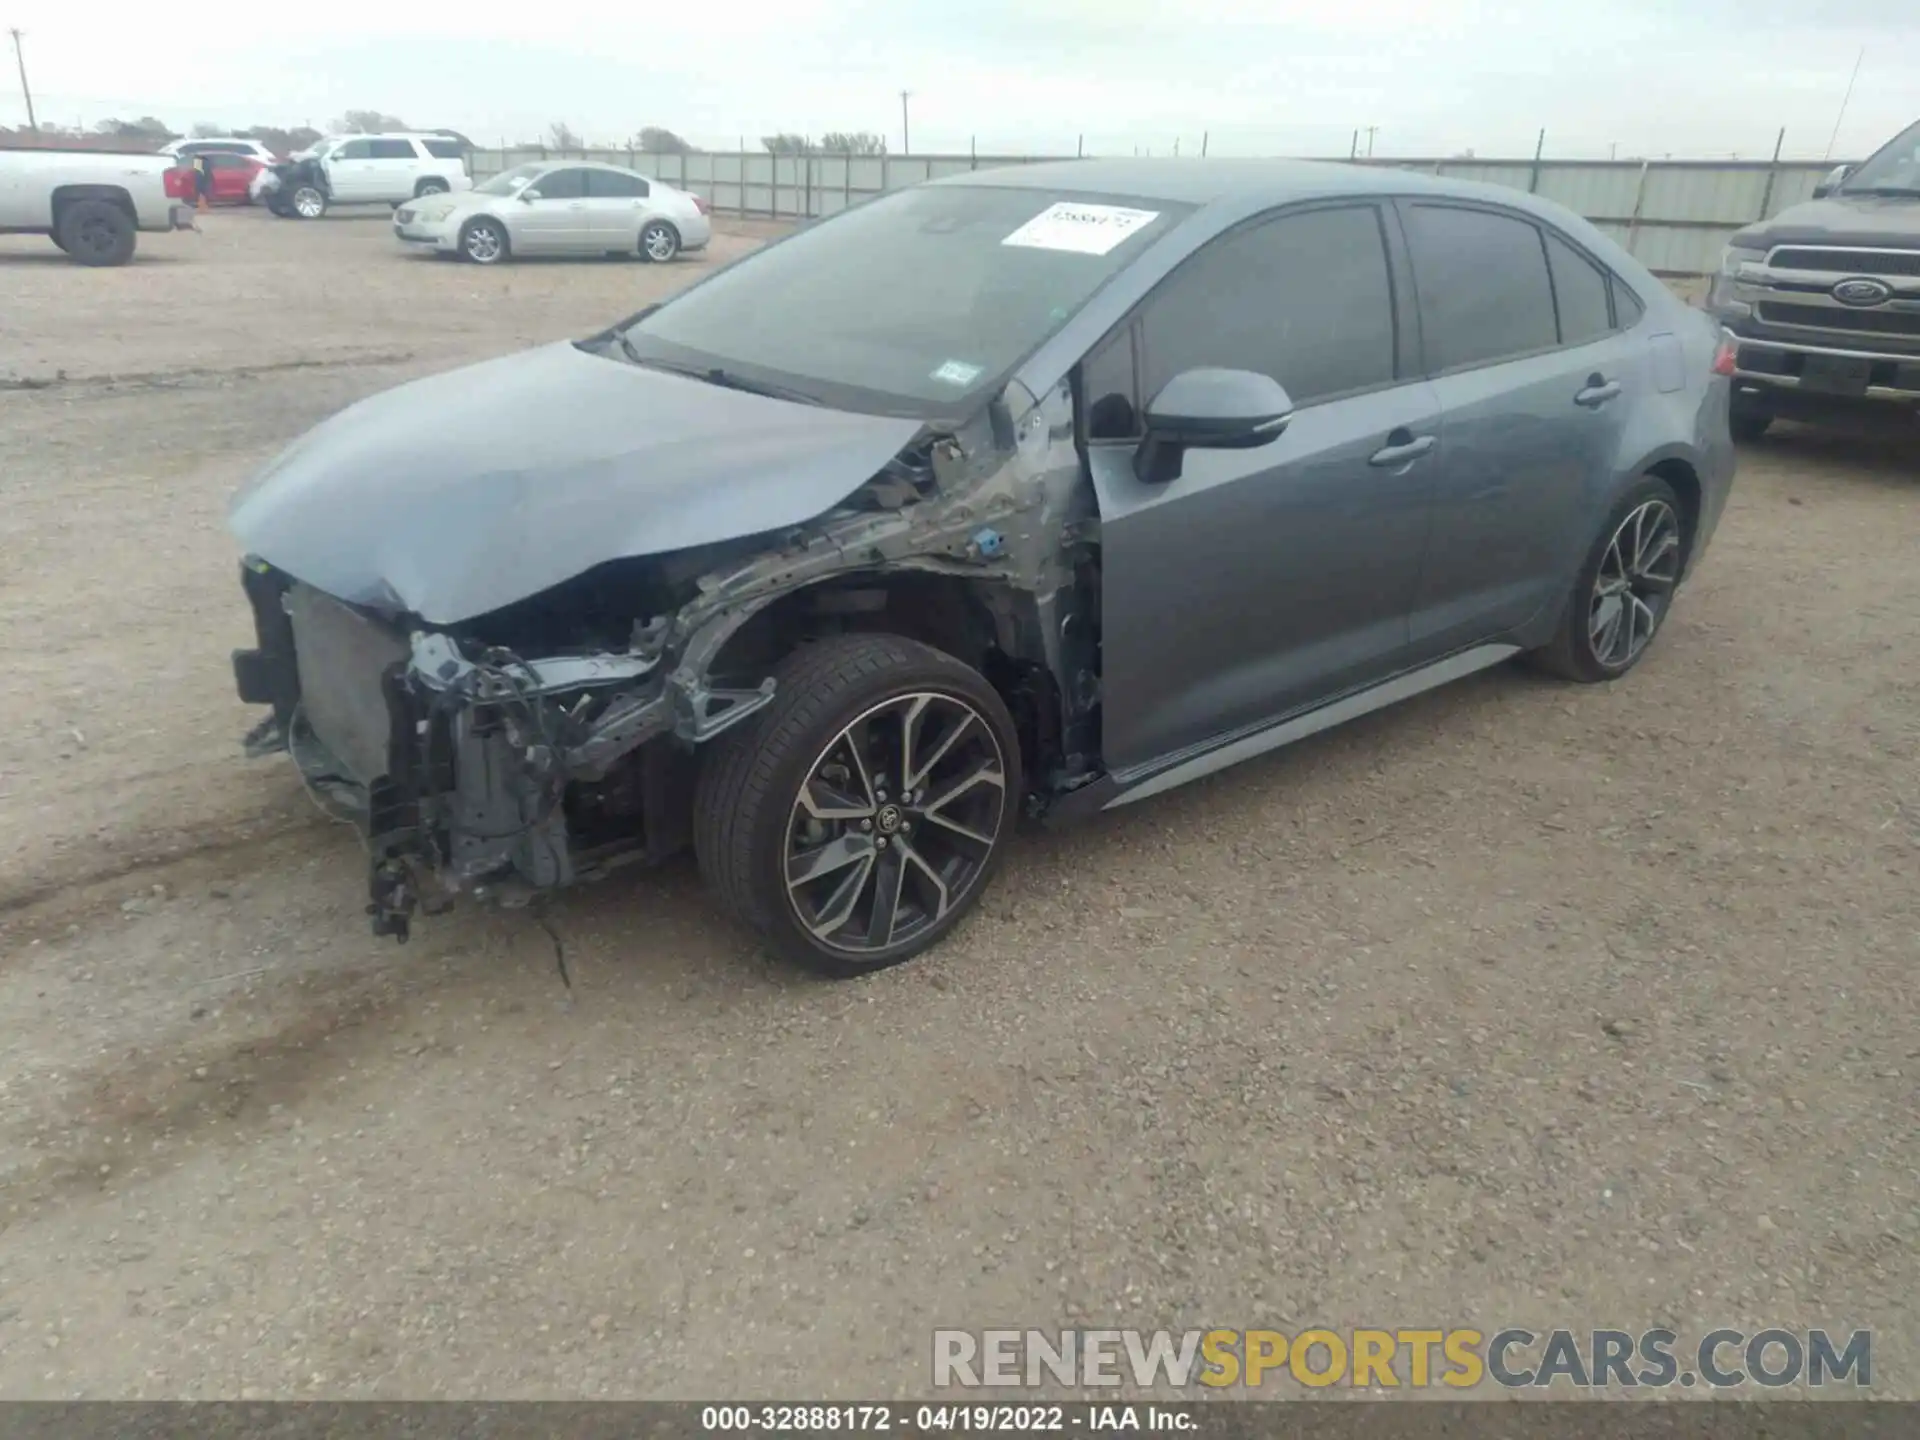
[1518,1004]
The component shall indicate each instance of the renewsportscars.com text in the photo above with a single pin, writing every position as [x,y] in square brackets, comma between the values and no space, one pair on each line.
[1402,1358]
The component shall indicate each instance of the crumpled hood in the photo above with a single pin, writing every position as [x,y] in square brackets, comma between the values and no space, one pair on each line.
[1840,220]
[455,495]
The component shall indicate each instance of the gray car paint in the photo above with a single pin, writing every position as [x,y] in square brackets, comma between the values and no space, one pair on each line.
[453,496]
[1839,219]
[1311,572]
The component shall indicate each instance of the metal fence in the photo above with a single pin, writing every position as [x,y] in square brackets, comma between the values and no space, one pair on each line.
[1674,216]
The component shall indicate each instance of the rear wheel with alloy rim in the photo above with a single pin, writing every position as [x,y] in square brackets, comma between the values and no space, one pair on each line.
[858,818]
[1624,590]
[659,242]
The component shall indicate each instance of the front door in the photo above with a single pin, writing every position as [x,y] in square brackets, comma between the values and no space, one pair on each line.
[1260,582]
[550,215]
[351,172]
[1535,382]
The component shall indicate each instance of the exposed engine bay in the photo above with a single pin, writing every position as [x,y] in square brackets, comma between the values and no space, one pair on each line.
[552,738]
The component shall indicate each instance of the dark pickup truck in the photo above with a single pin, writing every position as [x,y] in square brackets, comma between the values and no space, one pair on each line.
[1824,298]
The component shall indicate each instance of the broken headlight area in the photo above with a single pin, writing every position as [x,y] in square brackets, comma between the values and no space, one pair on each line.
[473,766]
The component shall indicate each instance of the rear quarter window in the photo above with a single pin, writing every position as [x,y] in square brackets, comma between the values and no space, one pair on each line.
[443,149]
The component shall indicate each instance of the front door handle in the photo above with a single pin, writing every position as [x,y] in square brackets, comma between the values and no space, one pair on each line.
[1402,446]
[1598,392]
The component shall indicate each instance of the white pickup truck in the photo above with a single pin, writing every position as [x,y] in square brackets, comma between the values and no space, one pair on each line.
[91,202]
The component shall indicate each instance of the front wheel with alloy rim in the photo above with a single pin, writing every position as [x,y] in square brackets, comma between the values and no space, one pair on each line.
[1625,588]
[484,242]
[659,242]
[308,203]
[857,819]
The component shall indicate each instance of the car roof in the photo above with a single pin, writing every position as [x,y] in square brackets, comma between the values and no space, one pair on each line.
[1203,182]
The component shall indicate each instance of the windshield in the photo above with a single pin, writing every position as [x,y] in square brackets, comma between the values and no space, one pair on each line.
[925,296]
[509,182]
[1895,166]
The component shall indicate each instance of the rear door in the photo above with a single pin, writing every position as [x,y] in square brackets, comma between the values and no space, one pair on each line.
[1534,383]
[1260,582]
[550,215]
[616,208]
[394,167]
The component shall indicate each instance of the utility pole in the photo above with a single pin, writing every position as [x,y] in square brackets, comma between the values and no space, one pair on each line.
[20,56]
[1371,129]
[906,139]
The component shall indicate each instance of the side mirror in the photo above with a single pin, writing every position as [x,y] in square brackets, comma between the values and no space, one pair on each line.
[1831,181]
[527,196]
[1209,409]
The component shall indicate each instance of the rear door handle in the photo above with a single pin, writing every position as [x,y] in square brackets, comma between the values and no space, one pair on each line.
[1598,392]
[1402,446]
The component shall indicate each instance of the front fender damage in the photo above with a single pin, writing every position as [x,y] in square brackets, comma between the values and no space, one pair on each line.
[499,767]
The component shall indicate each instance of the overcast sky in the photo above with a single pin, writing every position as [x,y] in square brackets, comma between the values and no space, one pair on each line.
[1681,77]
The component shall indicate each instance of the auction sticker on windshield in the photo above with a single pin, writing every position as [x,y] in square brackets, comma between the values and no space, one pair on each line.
[1085,229]
[957,372]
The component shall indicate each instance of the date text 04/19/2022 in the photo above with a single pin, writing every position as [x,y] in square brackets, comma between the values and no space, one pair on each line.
[942,1419]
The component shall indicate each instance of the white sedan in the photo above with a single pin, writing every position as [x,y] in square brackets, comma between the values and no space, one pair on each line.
[559,208]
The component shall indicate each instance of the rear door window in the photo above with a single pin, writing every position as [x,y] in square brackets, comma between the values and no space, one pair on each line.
[612,185]
[1485,293]
[1305,298]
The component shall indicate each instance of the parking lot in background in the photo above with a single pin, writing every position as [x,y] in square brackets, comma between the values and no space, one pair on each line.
[1518,1004]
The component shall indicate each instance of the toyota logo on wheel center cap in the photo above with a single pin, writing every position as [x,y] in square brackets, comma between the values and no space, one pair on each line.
[1862,292]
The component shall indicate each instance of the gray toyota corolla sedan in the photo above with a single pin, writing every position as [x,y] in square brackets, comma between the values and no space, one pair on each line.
[1039,490]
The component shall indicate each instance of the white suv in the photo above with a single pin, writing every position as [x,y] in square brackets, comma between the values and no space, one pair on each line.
[363,169]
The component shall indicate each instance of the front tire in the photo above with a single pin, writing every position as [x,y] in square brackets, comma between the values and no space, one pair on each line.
[857,819]
[484,242]
[1624,590]
[659,242]
[95,232]
[1749,419]
[307,202]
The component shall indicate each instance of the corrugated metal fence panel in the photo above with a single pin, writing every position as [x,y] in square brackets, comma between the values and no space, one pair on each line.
[1686,209]
[1585,190]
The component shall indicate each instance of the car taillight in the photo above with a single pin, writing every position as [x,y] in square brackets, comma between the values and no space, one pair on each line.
[179,183]
[701,205]
[1726,358]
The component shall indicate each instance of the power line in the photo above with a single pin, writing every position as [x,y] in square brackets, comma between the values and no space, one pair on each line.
[20,57]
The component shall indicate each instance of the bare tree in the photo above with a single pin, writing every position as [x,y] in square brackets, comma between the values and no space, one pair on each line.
[786,143]
[855,142]
[658,140]
[562,137]
[367,122]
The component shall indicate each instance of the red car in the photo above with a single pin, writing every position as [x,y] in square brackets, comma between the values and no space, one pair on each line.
[230,177]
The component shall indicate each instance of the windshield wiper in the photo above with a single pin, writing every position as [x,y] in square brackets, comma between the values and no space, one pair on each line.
[716,375]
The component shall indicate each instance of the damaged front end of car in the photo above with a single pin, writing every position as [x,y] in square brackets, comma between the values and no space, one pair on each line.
[556,737]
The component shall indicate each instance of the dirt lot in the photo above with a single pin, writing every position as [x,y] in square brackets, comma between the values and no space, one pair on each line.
[1519,1004]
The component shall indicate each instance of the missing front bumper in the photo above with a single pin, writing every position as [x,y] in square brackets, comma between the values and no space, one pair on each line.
[469,770]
